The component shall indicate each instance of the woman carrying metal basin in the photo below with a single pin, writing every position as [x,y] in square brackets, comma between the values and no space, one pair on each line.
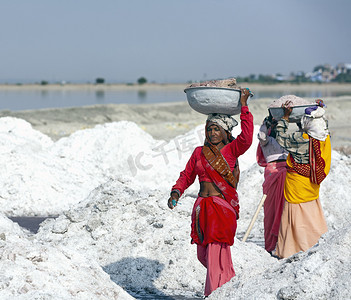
[272,157]
[308,163]
[217,207]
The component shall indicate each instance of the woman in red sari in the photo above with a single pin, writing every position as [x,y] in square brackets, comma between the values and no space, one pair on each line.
[217,207]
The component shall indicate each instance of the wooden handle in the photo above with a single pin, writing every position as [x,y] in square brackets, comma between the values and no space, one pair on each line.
[254,218]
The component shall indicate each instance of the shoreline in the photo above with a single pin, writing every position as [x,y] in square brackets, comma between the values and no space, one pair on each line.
[165,121]
[342,87]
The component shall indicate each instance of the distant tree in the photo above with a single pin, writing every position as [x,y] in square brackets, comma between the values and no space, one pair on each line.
[319,67]
[342,77]
[243,79]
[99,80]
[252,77]
[44,82]
[142,80]
[266,79]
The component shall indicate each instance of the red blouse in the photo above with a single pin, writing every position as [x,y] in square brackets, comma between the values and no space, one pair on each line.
[230,152]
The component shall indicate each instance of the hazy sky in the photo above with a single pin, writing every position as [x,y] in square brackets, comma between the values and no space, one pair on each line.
[169,41]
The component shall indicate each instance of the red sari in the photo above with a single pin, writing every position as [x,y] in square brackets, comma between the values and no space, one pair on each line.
[214,218]
[273,187]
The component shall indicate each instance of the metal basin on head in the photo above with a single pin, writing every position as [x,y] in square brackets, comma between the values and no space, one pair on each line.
[207,100]
[295,116]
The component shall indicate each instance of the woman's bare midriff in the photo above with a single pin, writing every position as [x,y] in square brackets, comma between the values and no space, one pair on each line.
[208,189]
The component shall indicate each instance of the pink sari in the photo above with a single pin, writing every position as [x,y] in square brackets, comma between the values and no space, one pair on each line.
[273,187]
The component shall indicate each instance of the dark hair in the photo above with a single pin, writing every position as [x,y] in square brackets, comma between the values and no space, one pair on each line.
[270,123]
[273,133]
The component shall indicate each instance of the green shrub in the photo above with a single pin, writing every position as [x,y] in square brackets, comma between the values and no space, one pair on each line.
[142,80]
[99,80]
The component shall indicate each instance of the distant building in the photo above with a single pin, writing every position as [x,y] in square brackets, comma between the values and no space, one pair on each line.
[327,73]
[343,68]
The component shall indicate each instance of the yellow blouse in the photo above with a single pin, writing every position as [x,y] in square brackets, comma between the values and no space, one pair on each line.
[300,189]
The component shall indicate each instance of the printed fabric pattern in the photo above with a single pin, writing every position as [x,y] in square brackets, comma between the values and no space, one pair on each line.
[315,168]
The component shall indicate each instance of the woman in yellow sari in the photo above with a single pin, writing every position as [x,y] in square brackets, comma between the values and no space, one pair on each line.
[308,163]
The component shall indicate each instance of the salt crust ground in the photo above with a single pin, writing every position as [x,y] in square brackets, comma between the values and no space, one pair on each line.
[109,186]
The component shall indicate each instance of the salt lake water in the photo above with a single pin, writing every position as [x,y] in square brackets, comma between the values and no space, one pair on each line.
[41,98]
[26,99]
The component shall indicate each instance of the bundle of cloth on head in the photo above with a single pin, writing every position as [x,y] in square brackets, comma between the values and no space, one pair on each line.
[225,121]
[314,123]
[316,126]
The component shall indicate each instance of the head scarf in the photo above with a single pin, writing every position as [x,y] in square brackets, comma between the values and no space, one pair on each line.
[314,123]
[225,121]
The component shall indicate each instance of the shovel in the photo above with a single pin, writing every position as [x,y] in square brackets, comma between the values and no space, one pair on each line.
[254,217]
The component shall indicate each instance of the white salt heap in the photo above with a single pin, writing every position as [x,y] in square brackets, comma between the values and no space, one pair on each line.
[110,185]
[294,100]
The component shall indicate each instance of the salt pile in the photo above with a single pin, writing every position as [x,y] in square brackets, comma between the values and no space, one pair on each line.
[224,83]
[295,101]
[110,185]
[33,270]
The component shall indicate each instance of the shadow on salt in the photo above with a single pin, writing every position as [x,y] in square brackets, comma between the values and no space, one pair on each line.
[144,271]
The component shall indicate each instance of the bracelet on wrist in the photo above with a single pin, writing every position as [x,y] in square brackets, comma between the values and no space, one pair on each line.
[175,191]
